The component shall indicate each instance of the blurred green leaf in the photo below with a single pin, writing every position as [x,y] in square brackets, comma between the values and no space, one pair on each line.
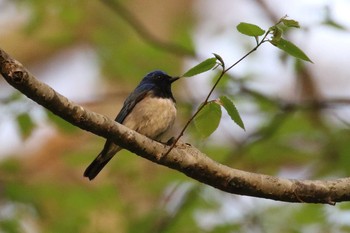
[291,49]
[308,215]
[232,111]
[15,96]
[10,225]
[70,14]
[227,228]
[11,166]
[201,67]
[250,29]
[208,119]
[276,33]
[25,123]
[290,23]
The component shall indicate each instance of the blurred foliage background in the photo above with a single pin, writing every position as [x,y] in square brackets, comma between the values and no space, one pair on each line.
[95,52]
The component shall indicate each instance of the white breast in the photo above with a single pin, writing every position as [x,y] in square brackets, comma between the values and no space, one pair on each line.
[152,117]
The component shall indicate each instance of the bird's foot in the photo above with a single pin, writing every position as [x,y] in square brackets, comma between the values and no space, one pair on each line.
[171,141]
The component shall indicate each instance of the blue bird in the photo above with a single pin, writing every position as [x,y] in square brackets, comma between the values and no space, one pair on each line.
[149,109]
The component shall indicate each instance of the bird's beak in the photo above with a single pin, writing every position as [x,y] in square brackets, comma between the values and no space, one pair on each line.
[173,79]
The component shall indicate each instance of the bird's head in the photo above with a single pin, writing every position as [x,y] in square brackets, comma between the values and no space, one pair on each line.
[159,78]
[160,82]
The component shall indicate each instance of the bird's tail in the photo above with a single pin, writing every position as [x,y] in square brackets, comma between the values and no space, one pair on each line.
[96,166]
[101,160]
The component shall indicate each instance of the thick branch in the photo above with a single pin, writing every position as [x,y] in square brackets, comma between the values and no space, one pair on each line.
[184,158]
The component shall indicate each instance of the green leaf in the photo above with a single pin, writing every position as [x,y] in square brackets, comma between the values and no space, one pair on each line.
[25,123]
[291,49]
[290,23]
[276,33]
[208,119]
[219,58]
[250,29]
[201,67]
[232,111]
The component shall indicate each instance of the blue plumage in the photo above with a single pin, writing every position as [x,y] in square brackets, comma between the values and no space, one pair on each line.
[149,110]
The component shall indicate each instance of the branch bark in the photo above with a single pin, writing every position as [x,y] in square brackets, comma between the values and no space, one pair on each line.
[183,158]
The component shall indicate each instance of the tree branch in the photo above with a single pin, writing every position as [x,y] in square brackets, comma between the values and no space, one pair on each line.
[184,158]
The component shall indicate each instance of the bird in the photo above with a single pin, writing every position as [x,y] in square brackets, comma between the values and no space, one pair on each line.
[149,110]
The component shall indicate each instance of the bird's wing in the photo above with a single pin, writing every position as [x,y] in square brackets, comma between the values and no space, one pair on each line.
[138,94]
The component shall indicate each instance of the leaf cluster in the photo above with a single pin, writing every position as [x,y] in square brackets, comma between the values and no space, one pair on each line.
[207,117]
